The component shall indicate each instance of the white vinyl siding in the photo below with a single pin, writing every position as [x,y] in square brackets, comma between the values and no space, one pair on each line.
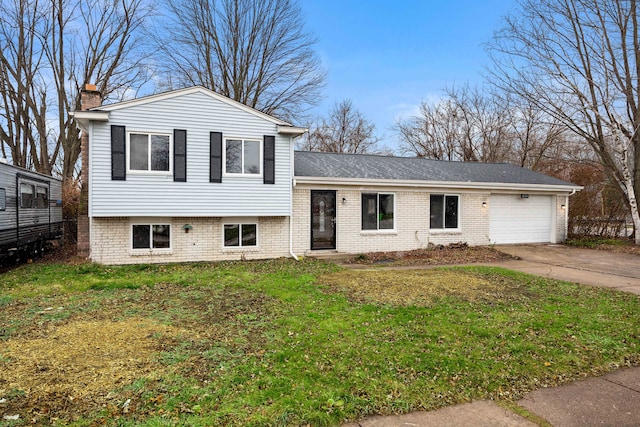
[147,194]
[517,219]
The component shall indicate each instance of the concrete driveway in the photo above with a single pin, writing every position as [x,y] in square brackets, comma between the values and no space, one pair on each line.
[587,266]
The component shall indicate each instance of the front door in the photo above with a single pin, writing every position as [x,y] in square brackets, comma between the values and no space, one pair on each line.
[323,219]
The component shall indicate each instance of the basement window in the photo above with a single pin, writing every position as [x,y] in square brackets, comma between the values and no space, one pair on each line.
[152,236]
[240,235]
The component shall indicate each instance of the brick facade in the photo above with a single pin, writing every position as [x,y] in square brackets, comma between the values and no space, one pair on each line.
[412,219]
[111,240]
[89,98]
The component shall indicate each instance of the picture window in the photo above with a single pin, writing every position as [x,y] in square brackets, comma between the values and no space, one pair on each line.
[378,211]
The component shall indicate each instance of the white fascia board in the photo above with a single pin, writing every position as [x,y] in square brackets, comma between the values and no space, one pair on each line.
[187,91]
[438,184]
[291,130]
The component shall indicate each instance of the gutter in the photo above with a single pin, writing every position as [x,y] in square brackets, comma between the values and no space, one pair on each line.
[437,184]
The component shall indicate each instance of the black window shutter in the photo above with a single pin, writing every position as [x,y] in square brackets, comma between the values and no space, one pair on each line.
[118,153]
[269,159]
[215,157]
[179,155]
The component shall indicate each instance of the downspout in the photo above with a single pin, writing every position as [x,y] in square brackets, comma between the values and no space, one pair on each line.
[293,184]
[566,214]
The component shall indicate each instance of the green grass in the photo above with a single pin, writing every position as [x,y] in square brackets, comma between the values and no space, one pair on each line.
[594,242]
[275,346]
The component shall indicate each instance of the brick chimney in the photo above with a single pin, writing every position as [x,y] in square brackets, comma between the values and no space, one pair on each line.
[89,98]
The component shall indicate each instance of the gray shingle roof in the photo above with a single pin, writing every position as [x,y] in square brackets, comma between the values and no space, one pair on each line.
[365,166]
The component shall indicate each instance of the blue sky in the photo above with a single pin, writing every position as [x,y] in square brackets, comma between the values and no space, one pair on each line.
[387,57]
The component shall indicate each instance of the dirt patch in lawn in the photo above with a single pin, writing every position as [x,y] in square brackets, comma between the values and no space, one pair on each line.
[422,287]
[456,253]
[66,357]
[79,363]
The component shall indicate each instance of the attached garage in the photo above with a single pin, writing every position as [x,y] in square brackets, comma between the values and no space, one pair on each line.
[521,218]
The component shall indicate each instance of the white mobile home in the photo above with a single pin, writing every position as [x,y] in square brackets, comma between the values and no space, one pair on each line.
[30,211]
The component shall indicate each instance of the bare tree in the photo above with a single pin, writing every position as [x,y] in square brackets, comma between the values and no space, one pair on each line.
[431,133]
[536,140]
[470,124]
[465,125]
[51,48]
[345,130]
[253,51]
[579,62]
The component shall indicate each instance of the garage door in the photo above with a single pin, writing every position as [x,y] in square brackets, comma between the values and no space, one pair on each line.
[514,219]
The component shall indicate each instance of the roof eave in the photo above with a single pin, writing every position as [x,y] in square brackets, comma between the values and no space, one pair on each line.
[83,117]
[439,184]
[291,130]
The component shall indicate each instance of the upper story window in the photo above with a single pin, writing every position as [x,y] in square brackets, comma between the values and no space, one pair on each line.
[3,199]
[378,211]
[42,197]
[149,152]
[27,195]
[242,157]
[445,210]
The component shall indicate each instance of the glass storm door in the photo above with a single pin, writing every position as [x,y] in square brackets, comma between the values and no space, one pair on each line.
[323,219]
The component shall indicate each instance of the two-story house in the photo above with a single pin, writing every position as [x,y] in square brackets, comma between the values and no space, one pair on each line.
[191,175]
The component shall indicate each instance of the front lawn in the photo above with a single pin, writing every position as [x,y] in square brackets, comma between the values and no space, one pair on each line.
[290,343]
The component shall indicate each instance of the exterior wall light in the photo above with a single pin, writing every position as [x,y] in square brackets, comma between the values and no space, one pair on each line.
[344,200]
[563,207]
[187,227]
[484,204]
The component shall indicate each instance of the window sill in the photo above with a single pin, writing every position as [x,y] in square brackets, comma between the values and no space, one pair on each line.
[242,175]
[150,252]
[445,231]
[231,249]
[377,232]
[149,173]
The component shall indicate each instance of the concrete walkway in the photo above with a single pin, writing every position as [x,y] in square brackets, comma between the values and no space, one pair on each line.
[610,400]
[586,266]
